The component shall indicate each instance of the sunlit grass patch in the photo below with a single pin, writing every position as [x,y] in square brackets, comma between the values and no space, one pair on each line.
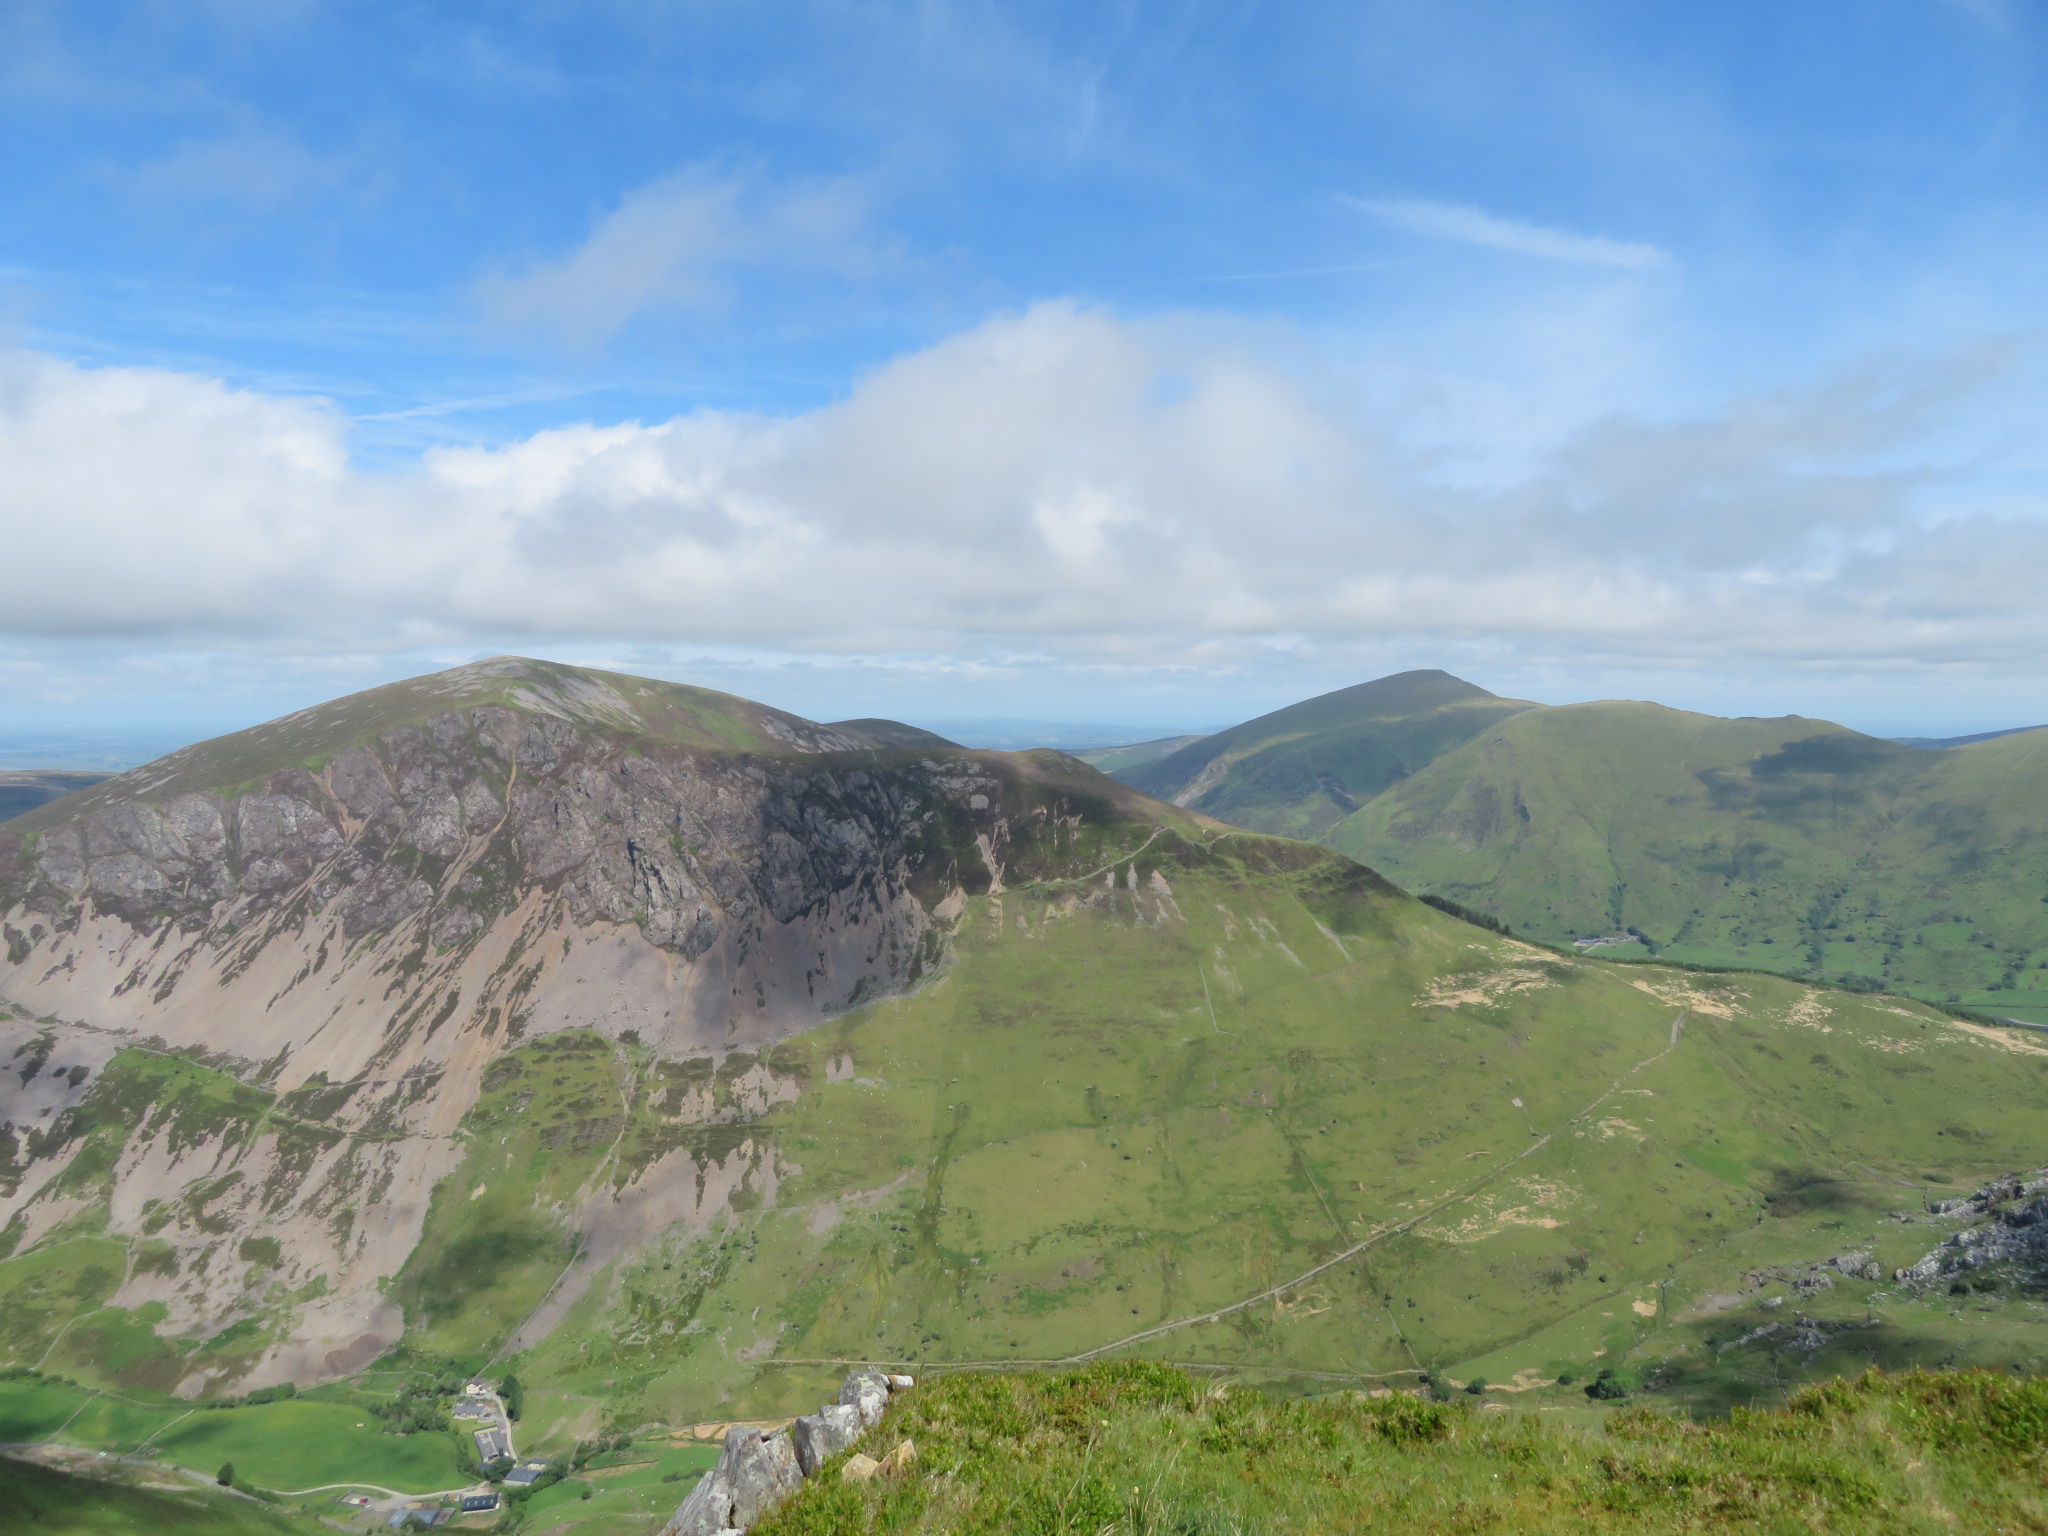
[1140,1448]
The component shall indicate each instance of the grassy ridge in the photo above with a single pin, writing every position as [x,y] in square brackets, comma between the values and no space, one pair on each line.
[1787,844]
[1143,1449]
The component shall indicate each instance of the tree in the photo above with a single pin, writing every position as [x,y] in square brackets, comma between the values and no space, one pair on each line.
[226,1476]
[514,1396]
[1609,1385]
[1476,1386]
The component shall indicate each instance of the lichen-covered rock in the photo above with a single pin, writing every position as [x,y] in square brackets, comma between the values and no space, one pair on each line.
[707,1510]
[762,1471]
[822,1435]
[867,1392]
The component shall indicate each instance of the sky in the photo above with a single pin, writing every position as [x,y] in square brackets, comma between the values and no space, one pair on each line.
[1148,363]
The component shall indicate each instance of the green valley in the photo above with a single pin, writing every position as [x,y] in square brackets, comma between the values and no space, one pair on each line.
[674,1056]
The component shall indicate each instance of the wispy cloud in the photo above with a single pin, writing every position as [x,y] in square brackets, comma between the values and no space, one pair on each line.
[677,243]
[1475,226]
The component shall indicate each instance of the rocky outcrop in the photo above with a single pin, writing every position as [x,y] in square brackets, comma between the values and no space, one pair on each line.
[758,1468]
[2015,1234]
[822,1435]
[867,1394]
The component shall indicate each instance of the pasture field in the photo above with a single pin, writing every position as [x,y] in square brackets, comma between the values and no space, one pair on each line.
[299,1443]
[305,1444]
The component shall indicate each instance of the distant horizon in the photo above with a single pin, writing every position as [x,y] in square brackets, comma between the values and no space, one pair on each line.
[99,744]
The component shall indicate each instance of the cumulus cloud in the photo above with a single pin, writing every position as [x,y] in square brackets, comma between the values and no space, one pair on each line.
[1474,226]
[1062,482]
[676,243]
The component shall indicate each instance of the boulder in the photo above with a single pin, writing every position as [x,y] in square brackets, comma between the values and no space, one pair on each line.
[900,1383]
[763,1472]
[708,1509]
[822,1435]
[867,1391]
[755,1472]
[859,1468]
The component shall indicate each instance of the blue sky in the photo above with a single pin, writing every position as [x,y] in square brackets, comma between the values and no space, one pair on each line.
[1153,363]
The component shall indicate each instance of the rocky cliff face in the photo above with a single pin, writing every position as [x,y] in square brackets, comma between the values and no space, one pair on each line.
[352,913]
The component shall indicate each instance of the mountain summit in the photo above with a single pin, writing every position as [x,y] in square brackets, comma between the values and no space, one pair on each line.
[1300,770]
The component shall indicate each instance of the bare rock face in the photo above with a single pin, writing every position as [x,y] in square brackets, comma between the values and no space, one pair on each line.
[357,909]
[822,1435]
[756,1471]
[867,1393]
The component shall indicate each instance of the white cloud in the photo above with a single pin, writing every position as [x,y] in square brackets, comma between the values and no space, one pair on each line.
[678,243]
[1061,484]
[1474,226]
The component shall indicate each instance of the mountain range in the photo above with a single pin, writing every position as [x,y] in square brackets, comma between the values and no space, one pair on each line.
[1786,844]
[674,1052]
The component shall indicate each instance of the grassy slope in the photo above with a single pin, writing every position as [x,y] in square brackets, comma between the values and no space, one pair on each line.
[52,1503]
[1787,844]
[1104,1121]
[1299,771]
[1148,1452]
[1121,761]
[302,1443]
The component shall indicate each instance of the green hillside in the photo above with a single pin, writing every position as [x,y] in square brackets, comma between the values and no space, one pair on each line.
[1263,1114]
[1299,771]
[1787,844]
[1222,1100]
[1153,1450]
[50,1502]
[1142,1087]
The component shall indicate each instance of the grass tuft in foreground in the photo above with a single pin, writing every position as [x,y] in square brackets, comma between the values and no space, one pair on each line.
[1144,1449]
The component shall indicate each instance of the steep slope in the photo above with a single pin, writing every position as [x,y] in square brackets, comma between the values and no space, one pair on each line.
[292,955]
[1790,843]
[23,789]
[1300,770]
[758,1052]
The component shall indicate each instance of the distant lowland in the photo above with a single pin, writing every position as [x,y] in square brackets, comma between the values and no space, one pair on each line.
[540,1086]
